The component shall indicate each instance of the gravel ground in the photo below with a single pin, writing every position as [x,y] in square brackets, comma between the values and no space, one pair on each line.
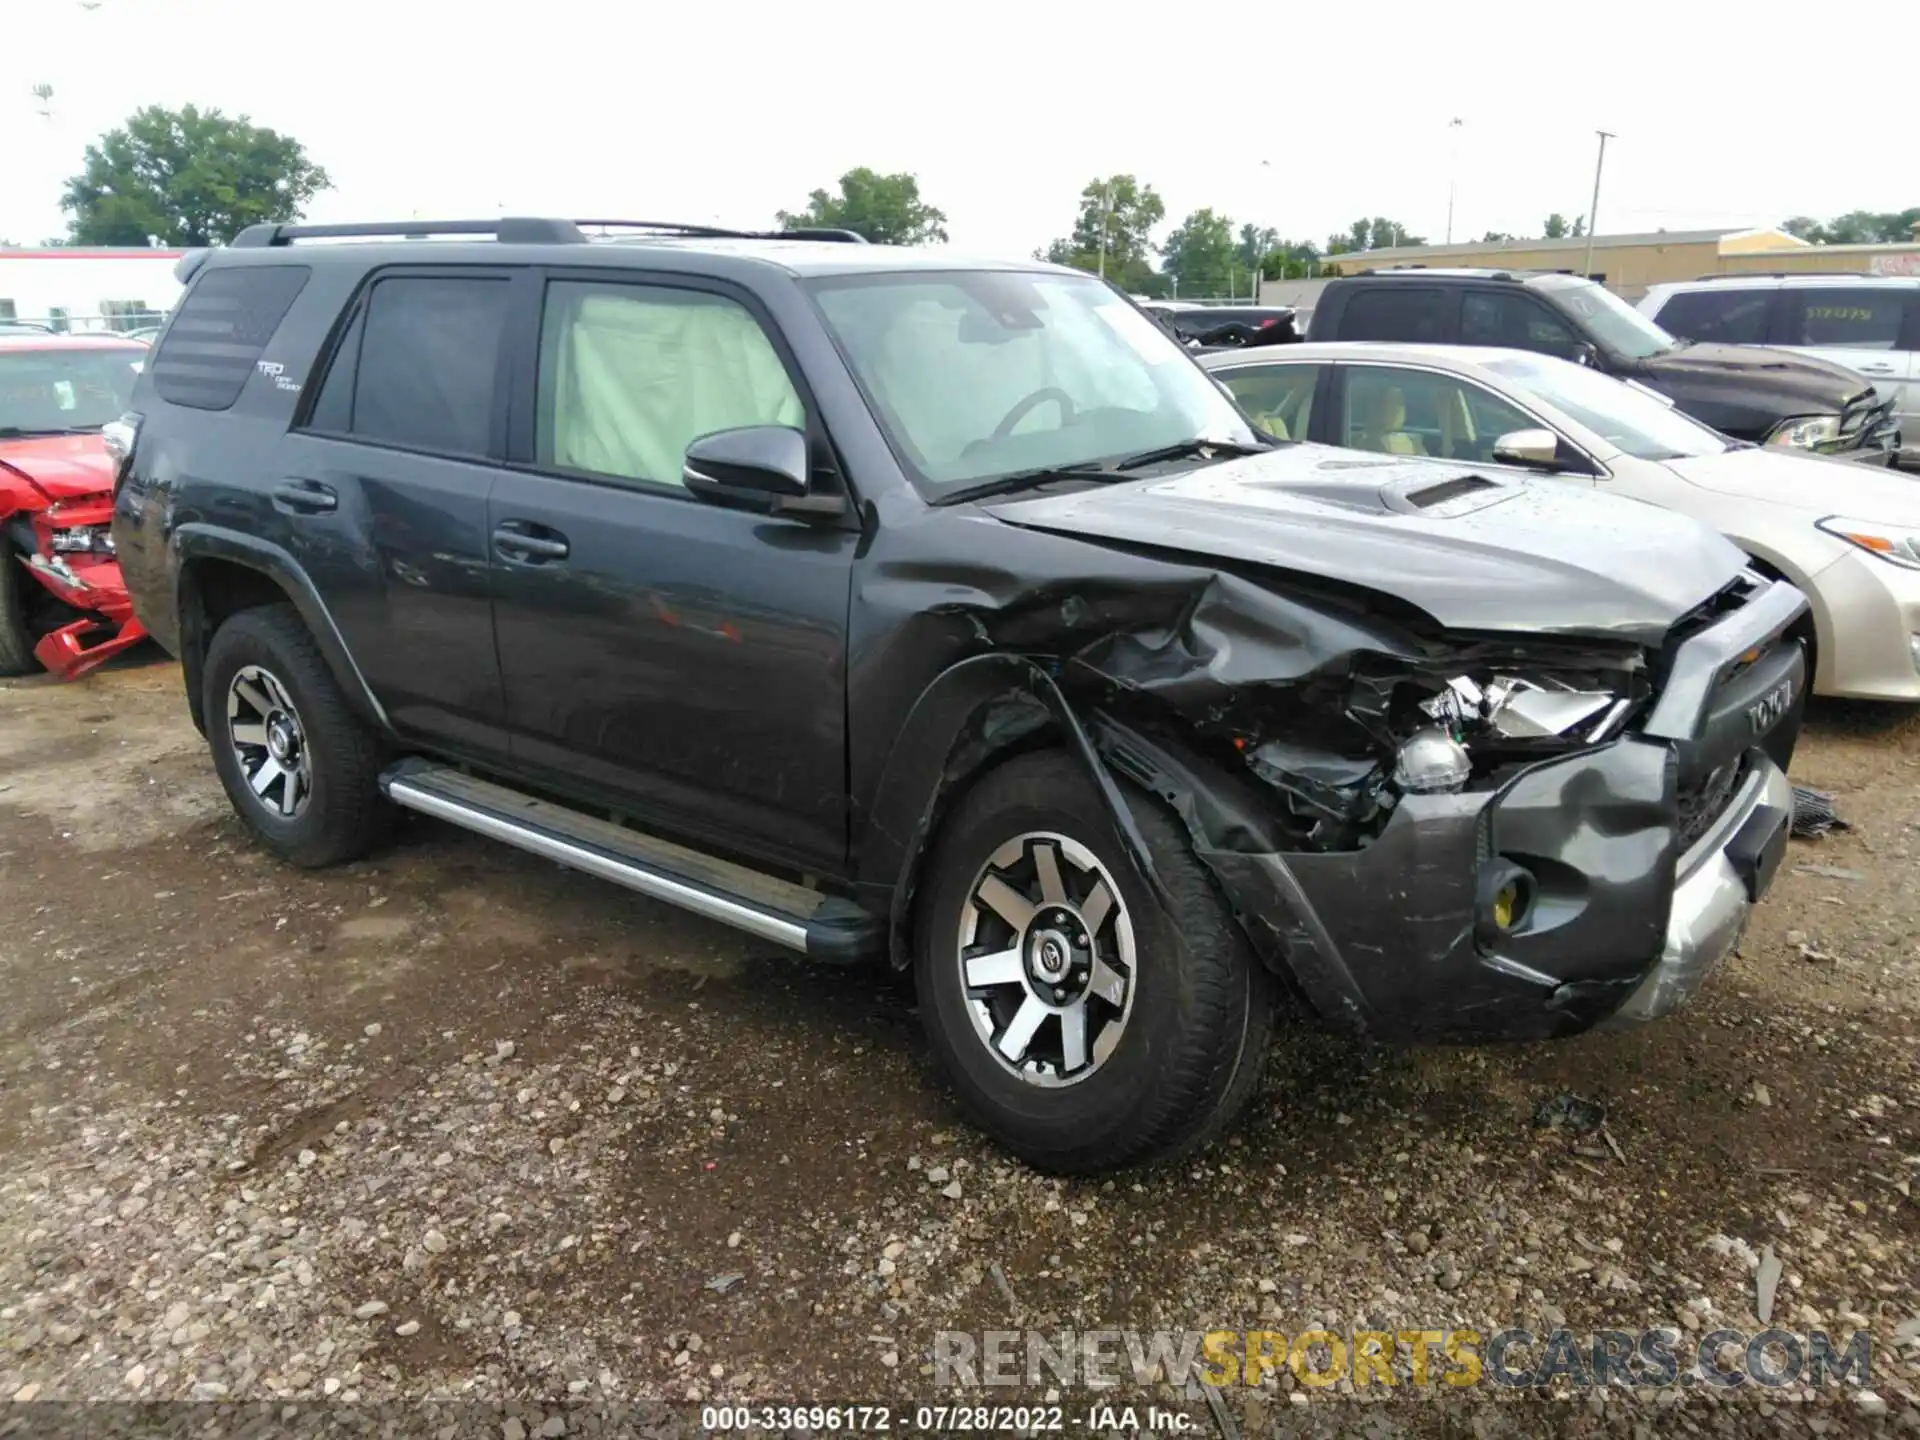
[453,1125]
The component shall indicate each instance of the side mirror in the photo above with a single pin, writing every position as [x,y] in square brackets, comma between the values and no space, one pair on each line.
[1537,449]
[1587,355]
[756,465]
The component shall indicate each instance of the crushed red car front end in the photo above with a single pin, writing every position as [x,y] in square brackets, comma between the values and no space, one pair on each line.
[88,581]
[56,506]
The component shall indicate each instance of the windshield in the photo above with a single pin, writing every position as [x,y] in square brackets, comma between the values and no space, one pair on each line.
[975,375]
[57,391]
[1610,320]
[1638,423]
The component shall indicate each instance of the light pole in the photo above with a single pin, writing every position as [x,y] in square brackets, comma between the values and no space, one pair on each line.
[1106,211]
[1453,172]
[1593,210]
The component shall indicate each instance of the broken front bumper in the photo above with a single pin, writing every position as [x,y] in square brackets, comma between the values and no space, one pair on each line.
[1726,871]
[1399,941]
[1639,858]
[92,584]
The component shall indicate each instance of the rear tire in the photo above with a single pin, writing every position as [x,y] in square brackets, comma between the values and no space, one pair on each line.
[1177,1012]
[300,767]
[16,641]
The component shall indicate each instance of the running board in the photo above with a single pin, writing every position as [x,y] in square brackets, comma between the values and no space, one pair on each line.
[821,927]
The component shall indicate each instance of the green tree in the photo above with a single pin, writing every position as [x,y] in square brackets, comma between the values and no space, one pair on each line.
[1856,227]
[1289,260]
[1579,226]
[1556,228]
[1378,233]
[1120,212]
[886,209]
[1496,237]
[1256,243]
[1201,255]
[187,177]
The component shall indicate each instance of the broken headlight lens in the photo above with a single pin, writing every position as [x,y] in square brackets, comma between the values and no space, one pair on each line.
[1513,708]
[83,540]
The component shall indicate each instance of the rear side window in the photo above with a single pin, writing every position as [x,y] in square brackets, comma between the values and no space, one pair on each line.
[220,332]
[417,365]
[1731,317]
[1865,319]
[1395,312]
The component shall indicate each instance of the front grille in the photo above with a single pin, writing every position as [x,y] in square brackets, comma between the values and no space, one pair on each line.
[1707,801]
[1867,423]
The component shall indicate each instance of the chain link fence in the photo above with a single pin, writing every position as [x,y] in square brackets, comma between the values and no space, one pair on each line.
[139,323]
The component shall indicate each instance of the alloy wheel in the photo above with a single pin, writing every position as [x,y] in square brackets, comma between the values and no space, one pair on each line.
[1047,963]
[269,741]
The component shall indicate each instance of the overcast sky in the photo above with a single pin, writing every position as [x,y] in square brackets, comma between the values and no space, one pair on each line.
[732,109]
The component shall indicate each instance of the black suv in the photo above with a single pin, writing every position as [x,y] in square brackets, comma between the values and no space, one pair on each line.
[1767,397]
[887,606]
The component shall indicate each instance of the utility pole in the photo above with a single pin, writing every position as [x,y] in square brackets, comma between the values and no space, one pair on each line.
[1593,210]
[1106,211]
[1453,173]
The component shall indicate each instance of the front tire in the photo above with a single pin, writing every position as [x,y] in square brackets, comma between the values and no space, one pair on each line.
[1082,1023]
[299,766]
[16,640]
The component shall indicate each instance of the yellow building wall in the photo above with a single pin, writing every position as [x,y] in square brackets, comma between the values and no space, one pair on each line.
[1826,259]
[1629,269]
[1769,240]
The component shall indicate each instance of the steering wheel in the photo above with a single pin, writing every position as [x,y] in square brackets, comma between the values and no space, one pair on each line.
[1028,403]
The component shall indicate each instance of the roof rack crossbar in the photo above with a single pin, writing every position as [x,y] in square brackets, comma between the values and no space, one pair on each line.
[1791,275]
[520,230]
[718,232]
[509,230]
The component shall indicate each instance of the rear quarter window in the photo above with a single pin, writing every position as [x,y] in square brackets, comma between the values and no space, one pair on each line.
[220,331]
[1732,317]
[1395,312]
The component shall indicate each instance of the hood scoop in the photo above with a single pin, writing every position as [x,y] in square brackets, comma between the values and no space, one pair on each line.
[1456,495]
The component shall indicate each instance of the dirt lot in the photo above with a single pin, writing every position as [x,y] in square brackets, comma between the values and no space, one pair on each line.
[456,1124]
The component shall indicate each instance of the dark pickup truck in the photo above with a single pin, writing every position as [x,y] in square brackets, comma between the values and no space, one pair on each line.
[948,615]
[1765,396]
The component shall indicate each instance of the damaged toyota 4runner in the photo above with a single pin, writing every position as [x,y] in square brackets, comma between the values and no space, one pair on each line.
[887,606]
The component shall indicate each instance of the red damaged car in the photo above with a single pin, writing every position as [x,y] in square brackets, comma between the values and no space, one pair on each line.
[63,606]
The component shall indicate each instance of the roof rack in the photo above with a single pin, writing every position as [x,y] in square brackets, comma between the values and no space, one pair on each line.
[519,230]
[1792,275]
[1478,272]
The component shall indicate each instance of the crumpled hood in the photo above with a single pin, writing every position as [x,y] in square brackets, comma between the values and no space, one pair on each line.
[1475,552]
[1799,384]
[61,467]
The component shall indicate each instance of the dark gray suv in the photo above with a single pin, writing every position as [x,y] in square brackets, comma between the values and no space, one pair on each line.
[889,606]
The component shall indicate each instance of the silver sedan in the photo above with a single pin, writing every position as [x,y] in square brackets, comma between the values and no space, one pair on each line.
[1847,535]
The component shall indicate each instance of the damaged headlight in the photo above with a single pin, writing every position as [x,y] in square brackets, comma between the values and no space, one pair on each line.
[1432,762]
[1518,709]
[1437,759]
[83,540]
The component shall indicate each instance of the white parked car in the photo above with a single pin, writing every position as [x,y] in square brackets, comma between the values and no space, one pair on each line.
[1868,323]
[1847,535]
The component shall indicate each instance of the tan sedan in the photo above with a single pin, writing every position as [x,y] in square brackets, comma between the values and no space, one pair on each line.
[1847,535]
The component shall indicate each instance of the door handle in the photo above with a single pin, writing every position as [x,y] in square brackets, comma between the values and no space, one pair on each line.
[1875,369]
[307,497]
[513,539]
